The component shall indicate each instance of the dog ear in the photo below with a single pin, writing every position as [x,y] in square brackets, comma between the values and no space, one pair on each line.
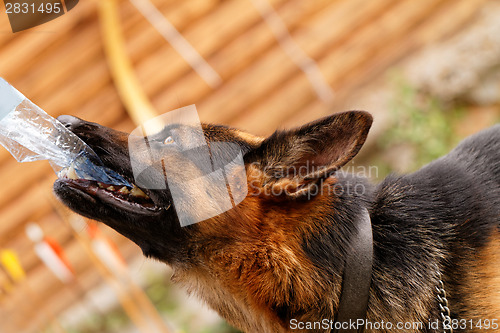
[293,161]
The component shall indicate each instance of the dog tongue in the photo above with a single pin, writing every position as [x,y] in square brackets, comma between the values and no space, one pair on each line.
[30,134]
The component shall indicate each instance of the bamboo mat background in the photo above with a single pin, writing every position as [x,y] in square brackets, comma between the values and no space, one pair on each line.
[61,66]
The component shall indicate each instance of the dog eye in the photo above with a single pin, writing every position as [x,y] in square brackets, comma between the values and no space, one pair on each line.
[169,140]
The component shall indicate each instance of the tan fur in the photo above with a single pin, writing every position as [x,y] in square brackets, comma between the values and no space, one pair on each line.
[482,282]
[253,140]
[243,279]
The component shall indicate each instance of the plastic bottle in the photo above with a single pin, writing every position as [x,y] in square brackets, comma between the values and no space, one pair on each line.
[30,134]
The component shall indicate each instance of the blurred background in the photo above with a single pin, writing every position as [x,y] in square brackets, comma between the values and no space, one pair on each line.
[429,72]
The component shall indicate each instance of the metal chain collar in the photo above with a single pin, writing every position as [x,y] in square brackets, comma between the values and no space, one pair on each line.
[443,306]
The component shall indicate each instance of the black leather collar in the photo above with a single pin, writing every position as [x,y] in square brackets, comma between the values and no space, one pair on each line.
[357,276]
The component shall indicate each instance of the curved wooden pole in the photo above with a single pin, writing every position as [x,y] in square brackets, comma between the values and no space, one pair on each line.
[131,93]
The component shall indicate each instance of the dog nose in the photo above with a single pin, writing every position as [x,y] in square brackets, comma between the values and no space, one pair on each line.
[69,121]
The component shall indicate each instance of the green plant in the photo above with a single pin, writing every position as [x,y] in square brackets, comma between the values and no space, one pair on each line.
[422,124]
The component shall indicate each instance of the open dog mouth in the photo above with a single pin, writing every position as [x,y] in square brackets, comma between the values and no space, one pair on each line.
[133,198]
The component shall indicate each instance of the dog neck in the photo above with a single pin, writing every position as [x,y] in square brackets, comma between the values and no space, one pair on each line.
[283,263]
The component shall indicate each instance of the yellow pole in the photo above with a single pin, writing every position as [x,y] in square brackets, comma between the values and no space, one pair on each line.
[135,100]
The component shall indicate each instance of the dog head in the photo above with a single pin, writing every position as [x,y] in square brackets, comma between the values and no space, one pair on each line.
[259,258]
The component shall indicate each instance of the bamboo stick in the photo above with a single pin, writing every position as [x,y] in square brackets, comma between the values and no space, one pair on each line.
[230,62]
[21,52]
[274,68]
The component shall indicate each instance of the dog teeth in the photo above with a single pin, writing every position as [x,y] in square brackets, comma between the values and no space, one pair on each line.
[71,173]
[137,192]
[124,190]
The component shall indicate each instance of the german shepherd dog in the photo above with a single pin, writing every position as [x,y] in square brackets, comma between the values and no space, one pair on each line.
[274,263]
